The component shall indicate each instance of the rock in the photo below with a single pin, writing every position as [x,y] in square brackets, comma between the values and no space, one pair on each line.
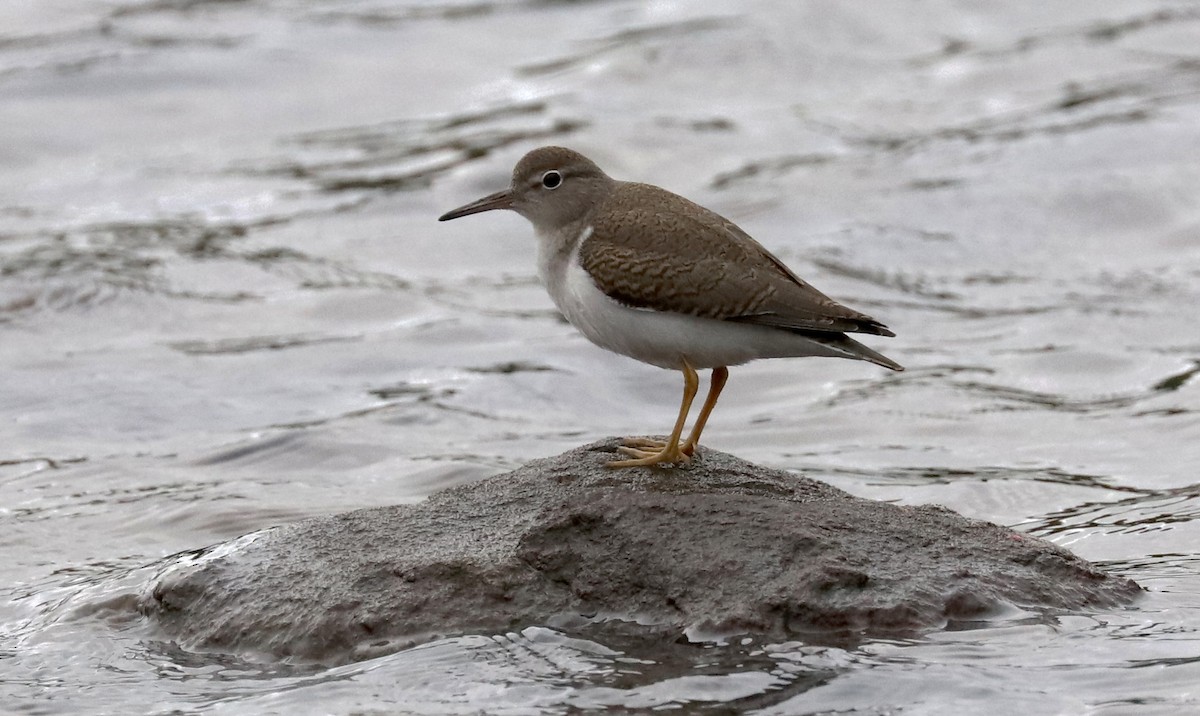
[721,546]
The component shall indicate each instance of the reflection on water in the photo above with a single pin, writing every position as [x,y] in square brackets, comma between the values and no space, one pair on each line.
[225,304]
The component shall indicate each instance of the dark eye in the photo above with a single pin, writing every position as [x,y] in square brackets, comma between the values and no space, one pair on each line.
[551,179]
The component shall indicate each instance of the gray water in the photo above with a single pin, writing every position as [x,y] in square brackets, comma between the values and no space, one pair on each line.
[225,304]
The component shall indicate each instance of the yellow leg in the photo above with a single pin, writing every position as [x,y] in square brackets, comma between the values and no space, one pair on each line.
[669,452]
[719,376]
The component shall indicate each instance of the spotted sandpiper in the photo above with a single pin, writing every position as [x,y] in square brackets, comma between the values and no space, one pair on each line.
[653,276]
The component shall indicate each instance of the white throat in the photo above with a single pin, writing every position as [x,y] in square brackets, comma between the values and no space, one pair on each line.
[557,250]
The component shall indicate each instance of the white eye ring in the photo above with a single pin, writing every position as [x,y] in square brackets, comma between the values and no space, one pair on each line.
[552,179]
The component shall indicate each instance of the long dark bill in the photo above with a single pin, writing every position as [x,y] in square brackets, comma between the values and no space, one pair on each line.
[499,200]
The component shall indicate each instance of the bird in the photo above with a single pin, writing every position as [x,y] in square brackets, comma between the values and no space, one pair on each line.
[648,274]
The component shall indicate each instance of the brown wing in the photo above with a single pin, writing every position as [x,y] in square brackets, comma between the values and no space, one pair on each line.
[683,258]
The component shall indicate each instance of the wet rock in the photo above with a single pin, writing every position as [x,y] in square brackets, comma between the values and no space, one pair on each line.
[719,546]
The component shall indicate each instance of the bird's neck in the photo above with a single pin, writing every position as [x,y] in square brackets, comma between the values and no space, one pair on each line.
[556,250]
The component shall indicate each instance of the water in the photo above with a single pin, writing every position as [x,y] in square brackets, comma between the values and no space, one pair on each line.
[225,304]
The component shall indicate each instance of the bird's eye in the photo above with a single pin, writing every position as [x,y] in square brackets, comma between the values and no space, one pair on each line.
[551,179]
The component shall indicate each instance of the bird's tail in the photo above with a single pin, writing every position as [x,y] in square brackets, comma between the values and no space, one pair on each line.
[847,347]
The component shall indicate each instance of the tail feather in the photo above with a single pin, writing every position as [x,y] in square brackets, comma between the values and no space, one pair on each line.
[851,348]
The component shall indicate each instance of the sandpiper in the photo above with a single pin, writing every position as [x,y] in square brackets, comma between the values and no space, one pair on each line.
[653,276]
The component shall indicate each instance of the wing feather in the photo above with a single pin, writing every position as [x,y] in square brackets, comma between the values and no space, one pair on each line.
[670,254]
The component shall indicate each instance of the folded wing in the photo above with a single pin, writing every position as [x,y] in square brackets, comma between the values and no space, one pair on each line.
[682,258]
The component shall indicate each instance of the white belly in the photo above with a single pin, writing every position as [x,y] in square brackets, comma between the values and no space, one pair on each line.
[660,338]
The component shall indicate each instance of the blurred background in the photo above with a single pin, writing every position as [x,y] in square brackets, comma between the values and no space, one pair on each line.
[225,304]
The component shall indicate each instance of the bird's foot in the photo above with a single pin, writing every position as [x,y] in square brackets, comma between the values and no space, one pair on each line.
[647,451]
[644,443]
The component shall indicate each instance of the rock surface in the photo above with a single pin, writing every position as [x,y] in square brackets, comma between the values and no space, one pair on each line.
[719,546]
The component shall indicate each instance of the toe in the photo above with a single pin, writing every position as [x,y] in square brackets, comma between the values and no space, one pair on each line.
[650,443]
[636,453]
[647,458]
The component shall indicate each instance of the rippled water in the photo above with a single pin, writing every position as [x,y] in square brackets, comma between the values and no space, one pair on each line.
[225,304]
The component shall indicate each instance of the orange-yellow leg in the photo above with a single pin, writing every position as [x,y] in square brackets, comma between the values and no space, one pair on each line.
[669,451]
[719,376]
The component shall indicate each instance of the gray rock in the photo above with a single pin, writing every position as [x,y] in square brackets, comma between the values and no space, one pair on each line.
[717,547]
